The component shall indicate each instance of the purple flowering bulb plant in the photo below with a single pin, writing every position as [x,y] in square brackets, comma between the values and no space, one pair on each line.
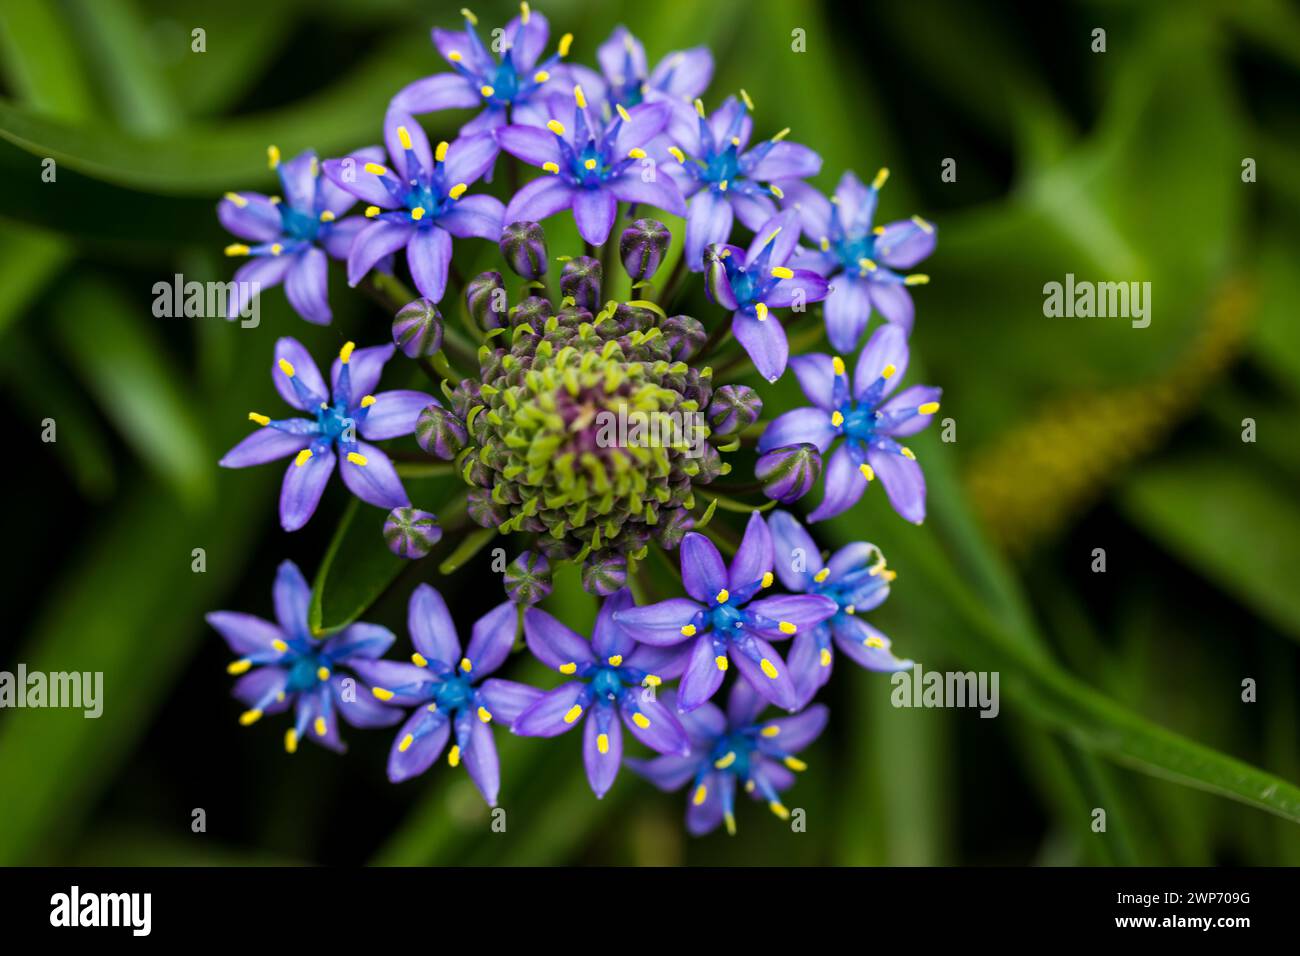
[603,412]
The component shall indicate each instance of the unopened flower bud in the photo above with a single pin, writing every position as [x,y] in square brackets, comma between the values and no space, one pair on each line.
[604,573]
[528,578]
[733,409]
[685,336]
[673,526]
[642,247]
[523,244]
[411,533]
[716,284]
[485,295]
[417,329]
[788,473]
[440,432]
[581,278]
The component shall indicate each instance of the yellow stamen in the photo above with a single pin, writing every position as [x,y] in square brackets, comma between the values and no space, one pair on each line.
[419,660]
[782,272]
[590,164]
[304,456]
[556,127]
[291,741]
[768,667]
[465,664]
[775,190]
[701,792]
[237,199]
[688,630]
[731,823]
[453,756]
[382,693]
[873,641]
[404,137]
[323,673]
[888,371]
[677,154]
[262,420]
[602,744]
[699,106]
[484,715]
[722,596]
[760,310]
[376,169]
[417,213]
[286,367]
[826,657]
[786,627]
[722,186]
[837,419]
[469,15]
[405,745]
[822,575]
[553,168]
[367,401]
[881,178]
[919,278]
[568,668]
[541,76]
[867,471]
[345,353]
[749,104]
[777,807]
[327,216]
[486,90]
[623,114]
[641,720]
[239,667]
[579,98]
[616,660]
[372,212]
[636,152]
[250,716]
[908,453]
[573,713]
[795,764]
[825,243]
[771,730]
[524,13]
[867,265]
[925,226]
[781,135]
[273,156]
[651,680]
[236,249]
[279,645]
[566,41]
[440,154]
[276,248]
[454,56]
[721,661]
[767,580]
[722,763]
[321,727]
[455,192]
[929,408]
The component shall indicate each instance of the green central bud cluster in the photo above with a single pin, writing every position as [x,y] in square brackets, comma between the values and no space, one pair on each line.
[588,430]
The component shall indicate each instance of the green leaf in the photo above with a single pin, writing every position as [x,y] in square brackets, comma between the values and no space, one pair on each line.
[356,570]
[39,63]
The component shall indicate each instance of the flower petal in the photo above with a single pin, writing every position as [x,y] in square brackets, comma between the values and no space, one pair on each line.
[429,256]
[844,486]
[660,192]
[894,302]
[764,340]
[291,594]
[802,610]
[795,733]
[703,676]
[544,196]
[377,240]
[814,209]
[266,444]
[608,639]
[719,792]
[305,373]
[506,699]
[799,426]
[903,480]
[659,624]
[602,762]
[359,708]
[491,639]
[307,285]
[245,634]
[349,174]
[554,644]
[782,231]
[867,646]
[801,290]
[535,145]
[753,558]
[428,733]
[708,220]
[546,717]
[476,216]
[847,308]
[252,279]
[443,91]
[365,366]
[253,217]
[667,773]
[795,555]
[302,487]
[703,574]
[780,690]
[481,761]
[594,211]
[786,160]
[658,728]
[909,400]
[431,628]
[376,482]
[394,413]
[816,374]
[808,667]
[887,346]
[904,243]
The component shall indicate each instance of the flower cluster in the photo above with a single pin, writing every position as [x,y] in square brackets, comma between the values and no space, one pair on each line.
[584,414]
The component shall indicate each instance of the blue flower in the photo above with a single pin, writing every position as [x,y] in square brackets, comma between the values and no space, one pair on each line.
[592,163]
[419,203]
[753,283]
[288,237]
[856,579]
[612,678]
[858,257]
[867,419]
[726,179]
[283,665]
[441,683]
[723,621]
[735,748]
[339,415]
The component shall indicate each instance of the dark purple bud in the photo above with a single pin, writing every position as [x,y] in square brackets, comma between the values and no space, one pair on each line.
[733,409]
[528,578]
[533,312]
[485,512]
[417,329]
[440,432]
[685,336]
[788,473]
[486,298]
[642,247]
[524,246]
[410,532]
[715,275]
[604,573]
[581,279]
[673,526]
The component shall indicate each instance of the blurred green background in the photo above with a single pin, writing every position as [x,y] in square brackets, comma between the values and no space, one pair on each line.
[1120,690]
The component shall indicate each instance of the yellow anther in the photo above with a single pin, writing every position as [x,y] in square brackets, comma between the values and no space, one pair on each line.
[786,627]
[641,720]
[262,420]
[837,419]
[356,458]
[781,135]
[721,662]
[777,807]
[327,216]
[919,278]
[874,641]
[566,41]
[924,226]
[888,371]
[273,156]
[569,668]
[405,745]
[908,453]
[677,154]
[881,178]
[237,199]
[623,114]
[590,164]
[744,97]
[376,169]
[782,272]
[291,741]
[825,243]
[236,249]
[760,310]
[417,213]
[541,76]
[455,192]
[419,660]
[555,126]
[440,153]
[878,230]
[636,152]
[404,137]
[867,265]
[345,353]
[454,56]
[699,106]
[524,13]
[722,596]
[579,97]
[279,645]
[372,212]
[929,408]
[304,456]
[322,673]
[276,248]
[573,713]
[730,819]
[722,186]
[768,667]
[484,715]
[367,401]
[616,660]
[775,190]
[701,792]
[722,763]
[453,756]
[469,15]
[602,743]
[651,680]
[795,764]
[688,630]
[826,657]
[767,580]
[275,200]
[822,575]
[486,90]
[553,168]
[250,716]
[321,727]
[239,666]
[850,609]
[382,693]
[771,730]
[867,471]
[465,665]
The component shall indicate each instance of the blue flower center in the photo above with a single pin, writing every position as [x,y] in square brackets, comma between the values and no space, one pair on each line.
[852,250]
[859,421]
[726,619]
[505,81]
[607,683]
[722,167]
[590,167]
[453,694]
[304,672]
[300,225]
[741,746]
[333,420]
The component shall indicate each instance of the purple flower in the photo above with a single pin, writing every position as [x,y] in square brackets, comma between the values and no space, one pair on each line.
[592,164]
[419,203]
[856,579]
[723,621]
[735,748]
[753,283]
[283,665]
[347,409]
[860,259]
[868,423]
[613,678]
[679,78]
[440,683]
[288,237]
[510,85]
[724,178]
